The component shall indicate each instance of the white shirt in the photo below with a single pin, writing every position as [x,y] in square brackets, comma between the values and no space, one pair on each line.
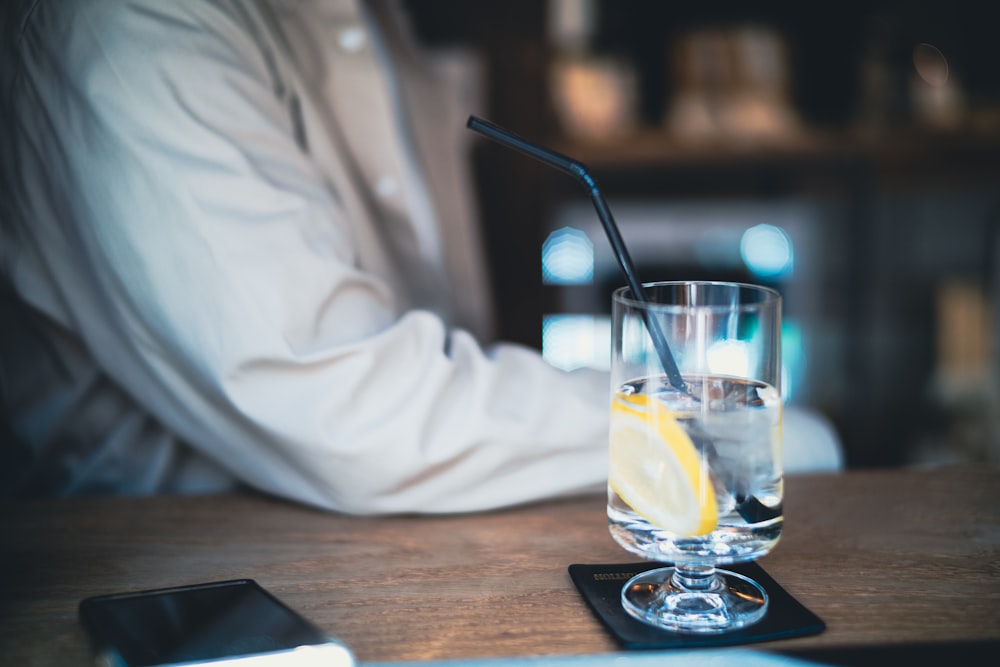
[236,260]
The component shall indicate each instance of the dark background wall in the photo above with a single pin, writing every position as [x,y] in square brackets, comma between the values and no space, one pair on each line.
[905,210]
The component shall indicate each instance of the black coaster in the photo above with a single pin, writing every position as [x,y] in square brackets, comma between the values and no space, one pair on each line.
[601,587]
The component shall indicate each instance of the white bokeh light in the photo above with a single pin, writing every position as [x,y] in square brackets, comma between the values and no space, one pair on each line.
[577,341]
[729,357]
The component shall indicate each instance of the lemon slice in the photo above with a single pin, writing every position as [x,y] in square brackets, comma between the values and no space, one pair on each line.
[655,468]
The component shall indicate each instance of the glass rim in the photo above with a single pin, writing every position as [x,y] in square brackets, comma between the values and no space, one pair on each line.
[771,296]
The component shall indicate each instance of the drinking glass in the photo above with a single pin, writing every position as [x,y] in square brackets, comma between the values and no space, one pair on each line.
[695,476]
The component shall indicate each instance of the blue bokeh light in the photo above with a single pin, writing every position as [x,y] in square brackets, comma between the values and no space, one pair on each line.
[767,251]
[567,258]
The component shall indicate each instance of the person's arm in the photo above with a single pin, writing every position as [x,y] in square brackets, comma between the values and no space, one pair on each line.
[212,272]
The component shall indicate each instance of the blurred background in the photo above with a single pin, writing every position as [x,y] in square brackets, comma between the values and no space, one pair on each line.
[849,157]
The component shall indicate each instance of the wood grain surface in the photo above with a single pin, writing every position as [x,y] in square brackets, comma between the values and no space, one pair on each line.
[884,557]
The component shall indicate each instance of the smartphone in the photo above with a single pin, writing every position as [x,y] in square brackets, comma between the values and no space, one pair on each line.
[234,622]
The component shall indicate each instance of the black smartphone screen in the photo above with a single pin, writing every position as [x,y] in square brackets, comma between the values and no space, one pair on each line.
[191,623]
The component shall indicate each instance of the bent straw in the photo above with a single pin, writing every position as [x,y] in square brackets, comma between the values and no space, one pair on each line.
[751,509]
[580,173]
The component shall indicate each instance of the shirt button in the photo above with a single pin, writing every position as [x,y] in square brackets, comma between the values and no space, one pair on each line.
[386,187]
[351,40]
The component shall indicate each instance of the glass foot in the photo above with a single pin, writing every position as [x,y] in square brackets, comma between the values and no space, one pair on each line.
[699,600]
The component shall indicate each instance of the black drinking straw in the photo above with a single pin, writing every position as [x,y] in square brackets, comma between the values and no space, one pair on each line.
[580,173]
[752,510]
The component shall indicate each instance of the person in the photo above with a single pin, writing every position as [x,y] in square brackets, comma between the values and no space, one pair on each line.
[240,249]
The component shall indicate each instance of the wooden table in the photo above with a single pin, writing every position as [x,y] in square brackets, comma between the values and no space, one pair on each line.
[884,557]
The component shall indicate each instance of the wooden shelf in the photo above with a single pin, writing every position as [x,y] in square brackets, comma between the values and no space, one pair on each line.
[655,149]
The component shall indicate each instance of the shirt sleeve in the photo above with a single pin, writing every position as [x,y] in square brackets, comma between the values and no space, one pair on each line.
[214,273]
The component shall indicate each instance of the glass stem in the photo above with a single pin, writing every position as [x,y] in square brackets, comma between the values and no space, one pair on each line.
[695,578]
